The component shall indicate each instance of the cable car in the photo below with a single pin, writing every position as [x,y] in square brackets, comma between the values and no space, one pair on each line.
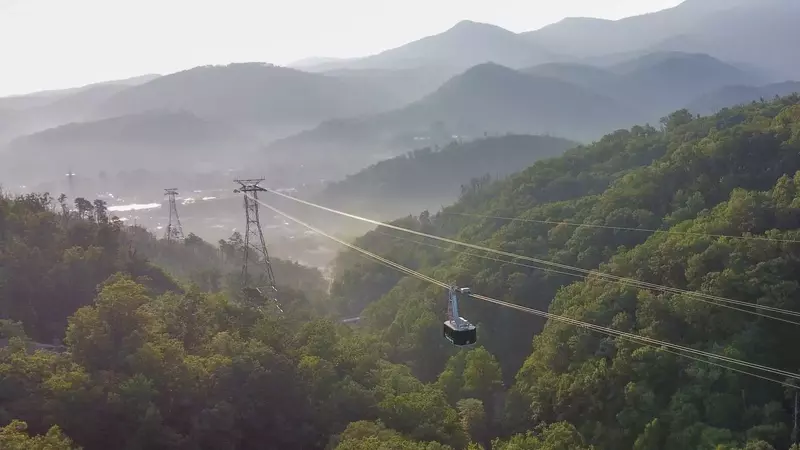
[457,329]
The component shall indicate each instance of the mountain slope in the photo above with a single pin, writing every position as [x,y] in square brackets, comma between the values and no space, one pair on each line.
[275,99]
[584,37]
[738,95]
[493,98]
[735,173]
[654,83]
[584,75]
[154,140]
[488,98]
[402,86]
[426,179]
[288,380]
[667,81]
[743,34]
[42,110]
[42,98]
[464,45]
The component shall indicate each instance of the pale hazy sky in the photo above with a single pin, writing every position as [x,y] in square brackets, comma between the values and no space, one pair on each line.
[48,44]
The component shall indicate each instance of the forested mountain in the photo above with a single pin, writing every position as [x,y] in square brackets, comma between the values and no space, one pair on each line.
[486,98]
[734,173]
[429,178]
[154,363]
[156,346]
[50,250]
[164,139]
[216,268]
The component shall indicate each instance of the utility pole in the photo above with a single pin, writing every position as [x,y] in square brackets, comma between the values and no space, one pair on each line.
[174,229]
[254,238]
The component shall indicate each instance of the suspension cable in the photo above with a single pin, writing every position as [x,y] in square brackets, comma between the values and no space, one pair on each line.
[610,227]
[530,266]
[606,330]
[615,278]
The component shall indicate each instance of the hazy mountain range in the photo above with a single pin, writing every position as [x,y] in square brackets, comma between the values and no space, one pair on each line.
[732,30]
[569,100]
[325,118]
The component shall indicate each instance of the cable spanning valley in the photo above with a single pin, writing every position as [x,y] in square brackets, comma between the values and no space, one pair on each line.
[703,297]
[643,340]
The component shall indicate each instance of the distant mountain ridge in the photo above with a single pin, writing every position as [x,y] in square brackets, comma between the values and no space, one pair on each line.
[42,97]
[487,98]
[42,110]
[270,97]
[735,31]
[464,45]
[164,139]
[569,100]
[654,84]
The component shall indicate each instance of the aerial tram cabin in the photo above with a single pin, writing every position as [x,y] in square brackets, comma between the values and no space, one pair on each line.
[457,329]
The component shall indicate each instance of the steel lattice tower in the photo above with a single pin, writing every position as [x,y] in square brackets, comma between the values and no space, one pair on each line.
[174,228]
[253,237]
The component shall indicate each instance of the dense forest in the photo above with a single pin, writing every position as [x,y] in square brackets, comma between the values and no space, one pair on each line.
[49,250]
[695,179]
[160,362]
[181,361]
